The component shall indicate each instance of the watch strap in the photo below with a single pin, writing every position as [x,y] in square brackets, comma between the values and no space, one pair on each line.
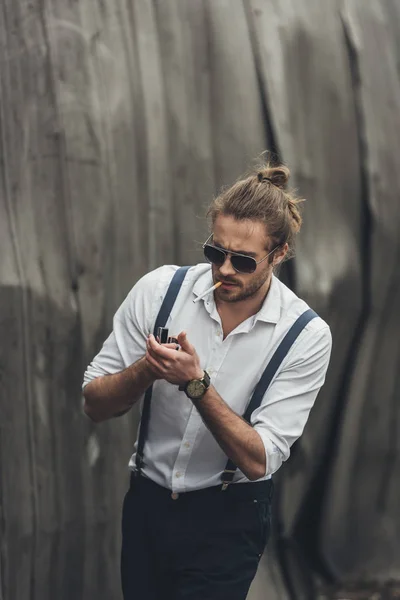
[206,380]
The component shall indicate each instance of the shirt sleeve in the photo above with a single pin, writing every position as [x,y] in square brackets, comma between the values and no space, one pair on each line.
[284,411]
[132,323]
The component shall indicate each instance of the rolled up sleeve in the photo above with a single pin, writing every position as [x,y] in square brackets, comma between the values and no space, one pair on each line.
[132,323]
[284,411]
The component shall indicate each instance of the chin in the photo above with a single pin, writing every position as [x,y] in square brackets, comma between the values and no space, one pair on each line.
[228,296]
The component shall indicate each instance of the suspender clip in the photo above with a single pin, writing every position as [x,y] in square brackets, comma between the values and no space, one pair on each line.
[228,480]
[139,462]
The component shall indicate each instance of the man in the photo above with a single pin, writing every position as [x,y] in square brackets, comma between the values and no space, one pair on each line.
[185,535]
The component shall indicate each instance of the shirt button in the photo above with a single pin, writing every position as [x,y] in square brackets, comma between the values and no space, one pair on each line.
[178,474]
[187,445]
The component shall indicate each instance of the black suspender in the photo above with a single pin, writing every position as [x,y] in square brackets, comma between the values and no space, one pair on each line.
[261,387]
[162,318]
[266,378]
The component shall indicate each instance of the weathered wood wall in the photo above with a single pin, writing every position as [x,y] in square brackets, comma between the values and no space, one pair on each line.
[118,121]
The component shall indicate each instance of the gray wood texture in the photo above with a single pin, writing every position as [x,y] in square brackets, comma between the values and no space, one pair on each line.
[118,123]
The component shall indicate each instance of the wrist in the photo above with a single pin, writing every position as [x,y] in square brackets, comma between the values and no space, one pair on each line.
[198,375]
[148,372]
[197,387]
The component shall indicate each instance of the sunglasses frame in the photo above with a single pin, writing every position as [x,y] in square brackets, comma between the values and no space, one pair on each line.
[231,253]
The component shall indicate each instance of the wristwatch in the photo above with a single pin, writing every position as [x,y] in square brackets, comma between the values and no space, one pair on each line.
[196,388]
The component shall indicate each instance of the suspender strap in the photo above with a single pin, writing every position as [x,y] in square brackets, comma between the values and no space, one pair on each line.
[162,318]
[266,378]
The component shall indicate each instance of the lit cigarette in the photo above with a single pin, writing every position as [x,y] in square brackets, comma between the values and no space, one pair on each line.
[211,289]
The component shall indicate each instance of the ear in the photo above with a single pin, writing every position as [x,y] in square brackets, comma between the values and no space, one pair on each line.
[280,254]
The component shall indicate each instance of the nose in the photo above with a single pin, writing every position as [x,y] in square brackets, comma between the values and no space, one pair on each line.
[226,269]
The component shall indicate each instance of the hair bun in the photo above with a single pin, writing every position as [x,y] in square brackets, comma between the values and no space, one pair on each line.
[278,176]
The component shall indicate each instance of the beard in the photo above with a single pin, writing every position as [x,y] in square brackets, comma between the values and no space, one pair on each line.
[243,291]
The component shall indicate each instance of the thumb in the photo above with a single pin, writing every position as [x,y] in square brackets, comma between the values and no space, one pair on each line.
[184,343]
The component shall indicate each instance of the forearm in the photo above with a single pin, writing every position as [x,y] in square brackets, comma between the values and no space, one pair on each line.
[113,395]
[240,442]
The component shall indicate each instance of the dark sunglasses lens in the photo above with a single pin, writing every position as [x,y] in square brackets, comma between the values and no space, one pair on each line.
[243,264]
[213,255]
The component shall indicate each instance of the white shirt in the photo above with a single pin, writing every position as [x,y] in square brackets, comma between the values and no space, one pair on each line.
[180,453]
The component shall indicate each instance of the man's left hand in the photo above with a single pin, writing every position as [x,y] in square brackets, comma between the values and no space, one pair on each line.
[176,367]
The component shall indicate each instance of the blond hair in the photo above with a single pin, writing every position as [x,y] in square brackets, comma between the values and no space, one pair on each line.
[263,196]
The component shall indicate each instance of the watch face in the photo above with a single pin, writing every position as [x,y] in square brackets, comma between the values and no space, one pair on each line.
[196,388]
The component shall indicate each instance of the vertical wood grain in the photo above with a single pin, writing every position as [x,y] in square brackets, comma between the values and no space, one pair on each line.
[118,123]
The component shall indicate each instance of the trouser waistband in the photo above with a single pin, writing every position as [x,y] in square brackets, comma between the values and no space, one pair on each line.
[254,490]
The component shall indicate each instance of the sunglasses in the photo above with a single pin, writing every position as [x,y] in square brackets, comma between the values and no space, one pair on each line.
[240,262]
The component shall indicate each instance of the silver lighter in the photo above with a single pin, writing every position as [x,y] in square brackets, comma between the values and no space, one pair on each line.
[164,338]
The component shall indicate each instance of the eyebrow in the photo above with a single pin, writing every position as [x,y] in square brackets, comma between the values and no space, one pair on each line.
[246,253]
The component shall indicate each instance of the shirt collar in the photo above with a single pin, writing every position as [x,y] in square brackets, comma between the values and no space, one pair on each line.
[204,282]
[270,311]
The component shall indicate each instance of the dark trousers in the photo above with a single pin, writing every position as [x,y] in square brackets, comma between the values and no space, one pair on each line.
[205,545]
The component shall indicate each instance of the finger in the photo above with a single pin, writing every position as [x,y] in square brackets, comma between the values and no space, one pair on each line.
[172,344]
[154,364]
[158,359]
[156,348]
[166,351]
[185,344]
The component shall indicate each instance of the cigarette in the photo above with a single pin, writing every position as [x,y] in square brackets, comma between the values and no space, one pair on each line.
[211,289]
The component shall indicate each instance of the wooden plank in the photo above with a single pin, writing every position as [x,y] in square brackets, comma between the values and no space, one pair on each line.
[238,125]
[307,86]
[182,30]
[38,179]
[18,491]
[22,493]
[56,330]
[116,114]
[155,142]
[360,530]
[118,121]
[100,151]
[301,106]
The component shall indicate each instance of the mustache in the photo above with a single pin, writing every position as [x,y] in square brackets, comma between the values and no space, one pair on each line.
[228,281]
